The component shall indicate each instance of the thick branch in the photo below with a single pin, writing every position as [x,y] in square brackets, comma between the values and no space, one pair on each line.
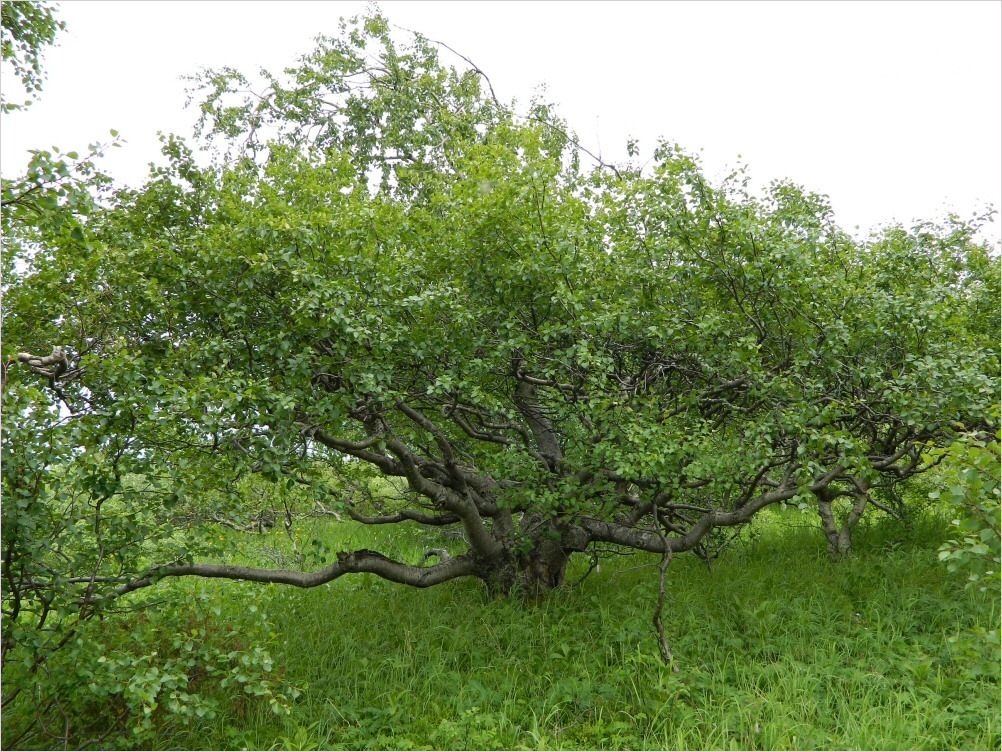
[443,443]
[402,516]
[648,540]
[50,366]
[347,563]
[359,449]
[463,507]
[542,431]
[470,431]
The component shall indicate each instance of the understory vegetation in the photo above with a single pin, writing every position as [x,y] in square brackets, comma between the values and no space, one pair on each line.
[778,647]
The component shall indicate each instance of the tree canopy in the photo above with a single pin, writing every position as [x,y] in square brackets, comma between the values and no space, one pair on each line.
[388,273]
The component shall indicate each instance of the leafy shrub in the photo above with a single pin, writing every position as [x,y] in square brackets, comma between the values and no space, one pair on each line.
[977,547]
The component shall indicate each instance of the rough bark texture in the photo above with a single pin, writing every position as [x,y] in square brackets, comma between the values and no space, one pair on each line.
[541,566]
[839,536]
[543,569]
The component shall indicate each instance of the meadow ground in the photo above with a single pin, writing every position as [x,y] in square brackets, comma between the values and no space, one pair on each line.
[778,647]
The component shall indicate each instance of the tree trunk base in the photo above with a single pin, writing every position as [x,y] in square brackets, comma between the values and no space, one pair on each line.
[840,549]
[531,575]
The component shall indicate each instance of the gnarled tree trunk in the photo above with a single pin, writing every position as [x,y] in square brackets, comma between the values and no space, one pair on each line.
[530,574]
[534,562]
[839,536]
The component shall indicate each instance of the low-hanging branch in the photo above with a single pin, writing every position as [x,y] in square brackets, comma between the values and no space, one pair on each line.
[356,562]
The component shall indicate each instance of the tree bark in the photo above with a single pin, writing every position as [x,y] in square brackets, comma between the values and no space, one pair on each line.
[543,569]
[355,562]
[839,536]
[532,574]
[535,561]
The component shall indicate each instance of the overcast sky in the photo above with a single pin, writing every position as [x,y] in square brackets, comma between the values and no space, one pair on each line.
[892,109]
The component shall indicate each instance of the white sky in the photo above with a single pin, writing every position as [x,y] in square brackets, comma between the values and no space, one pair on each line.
[894,109]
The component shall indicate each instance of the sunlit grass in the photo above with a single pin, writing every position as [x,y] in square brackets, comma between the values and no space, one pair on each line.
[778,648]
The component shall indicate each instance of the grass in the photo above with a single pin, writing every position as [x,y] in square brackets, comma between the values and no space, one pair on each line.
[778,648]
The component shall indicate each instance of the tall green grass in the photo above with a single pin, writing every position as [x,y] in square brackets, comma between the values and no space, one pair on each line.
[778,647]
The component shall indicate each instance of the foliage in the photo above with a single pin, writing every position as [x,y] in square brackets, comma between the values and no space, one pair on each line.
[977,547]
[77,510]
[394,268]
[29,26]
[116,679]
[394,299]
[975,498]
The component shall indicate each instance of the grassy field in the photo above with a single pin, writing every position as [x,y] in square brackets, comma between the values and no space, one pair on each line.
[778,648]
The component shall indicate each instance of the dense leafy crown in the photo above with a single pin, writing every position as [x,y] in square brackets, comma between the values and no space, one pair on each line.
[389,272]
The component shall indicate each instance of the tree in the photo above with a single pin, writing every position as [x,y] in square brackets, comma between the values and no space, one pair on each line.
[389,273]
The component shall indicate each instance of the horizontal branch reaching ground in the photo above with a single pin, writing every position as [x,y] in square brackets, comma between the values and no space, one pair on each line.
[362,561]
